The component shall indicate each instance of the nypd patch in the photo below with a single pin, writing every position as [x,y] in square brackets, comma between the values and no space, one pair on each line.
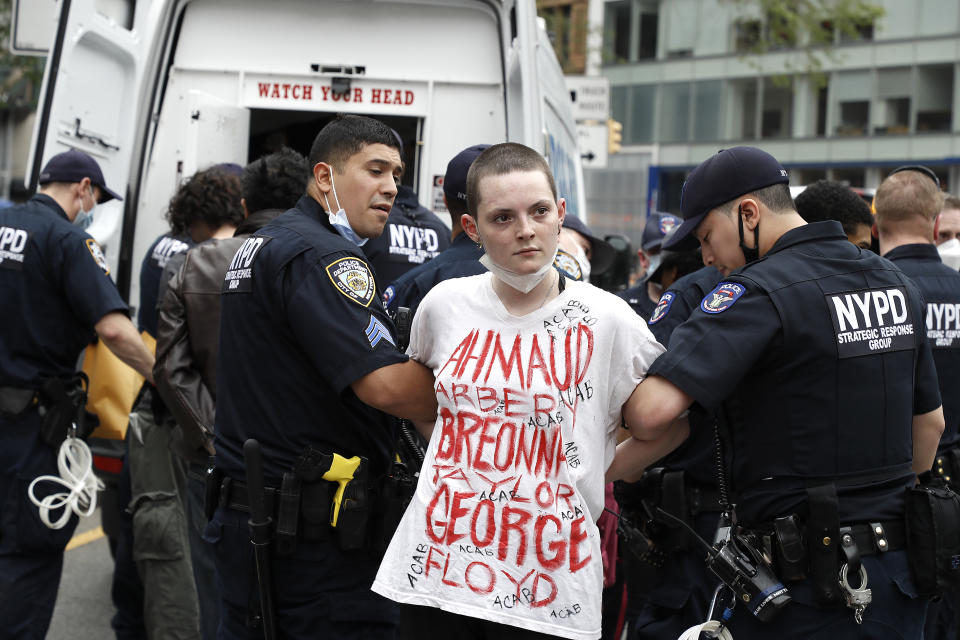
[568,264]
[722,298]
[13,244]
[668,224]
[352,278]
[662,308]
[239,276]
[97,254]
[377,331]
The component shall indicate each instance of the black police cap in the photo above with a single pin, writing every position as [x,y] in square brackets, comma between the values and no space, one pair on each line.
[718,180]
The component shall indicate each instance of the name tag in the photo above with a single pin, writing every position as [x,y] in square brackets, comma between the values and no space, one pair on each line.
[870,321]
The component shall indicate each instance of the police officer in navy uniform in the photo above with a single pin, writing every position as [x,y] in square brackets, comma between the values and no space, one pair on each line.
[307,366]
[643,297]
[830,417]
[58,296]
[413,236]
[907,204]
[460,259]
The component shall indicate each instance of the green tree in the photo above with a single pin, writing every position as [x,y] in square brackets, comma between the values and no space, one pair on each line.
[811,27]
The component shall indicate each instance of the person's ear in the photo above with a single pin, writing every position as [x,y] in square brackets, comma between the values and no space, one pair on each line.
[243,205]
[876,232]
[936,228]
[469,224]
[749,209]
[561,212]
[321,176]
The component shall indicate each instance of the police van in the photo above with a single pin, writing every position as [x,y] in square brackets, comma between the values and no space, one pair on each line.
[157,89]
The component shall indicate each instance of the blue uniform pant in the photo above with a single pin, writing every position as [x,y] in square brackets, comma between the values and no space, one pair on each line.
[31,555]
[896,612]
[319,590]
[201,555]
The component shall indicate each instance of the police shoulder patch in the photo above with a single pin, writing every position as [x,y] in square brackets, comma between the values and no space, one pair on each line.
[722,297]
[352,277]
[568,264]
[97,254]
[662,308]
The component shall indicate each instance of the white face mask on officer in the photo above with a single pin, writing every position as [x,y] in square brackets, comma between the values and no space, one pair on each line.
[84,217]
[339,219]
[950,253]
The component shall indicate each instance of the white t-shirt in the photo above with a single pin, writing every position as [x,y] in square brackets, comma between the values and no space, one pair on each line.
[502,525]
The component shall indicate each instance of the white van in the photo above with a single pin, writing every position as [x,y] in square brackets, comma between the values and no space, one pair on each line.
[156,89]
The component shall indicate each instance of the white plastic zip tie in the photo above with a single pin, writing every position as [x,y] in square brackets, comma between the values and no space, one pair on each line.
[711,627]
[75,464]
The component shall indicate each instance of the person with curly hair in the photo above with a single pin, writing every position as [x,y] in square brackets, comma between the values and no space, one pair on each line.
[829,200]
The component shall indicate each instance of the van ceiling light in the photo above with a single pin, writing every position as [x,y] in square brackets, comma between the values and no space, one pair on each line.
[339,69]
[340,86]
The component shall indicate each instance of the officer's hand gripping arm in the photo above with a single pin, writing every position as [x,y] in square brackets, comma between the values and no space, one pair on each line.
[122,338]
[633,456]
[404,390]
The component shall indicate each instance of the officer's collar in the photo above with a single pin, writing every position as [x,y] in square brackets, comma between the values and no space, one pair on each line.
[826,230]
[462,239]
[920,250]
[44,199]
[315,210]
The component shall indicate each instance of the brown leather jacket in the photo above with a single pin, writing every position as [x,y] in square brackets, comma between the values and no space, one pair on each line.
[188,333]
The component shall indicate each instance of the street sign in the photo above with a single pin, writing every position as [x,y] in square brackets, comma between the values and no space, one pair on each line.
[590,96]
[34,26]
[592,141]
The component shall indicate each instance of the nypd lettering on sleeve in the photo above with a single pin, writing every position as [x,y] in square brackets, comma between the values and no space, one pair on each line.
[662,308]
[239,277]
[943,325]
[722,297]
[870,321]
[352,277]
[13,243]
[413,244]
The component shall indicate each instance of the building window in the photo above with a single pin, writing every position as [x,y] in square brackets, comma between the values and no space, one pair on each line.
[741,109]
[747,35]
[649,25]
[934,97]
[616,32]
[675,112]
[776,120]
[854,116]
[706,114]
[639,127]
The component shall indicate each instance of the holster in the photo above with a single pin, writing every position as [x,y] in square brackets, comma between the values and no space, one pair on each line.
[823,528]
[392,498]
[288,514]
[63,403]
[933,536]
[789,552]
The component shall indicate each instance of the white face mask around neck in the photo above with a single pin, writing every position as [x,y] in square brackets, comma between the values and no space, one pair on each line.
[339,219]
[524,283]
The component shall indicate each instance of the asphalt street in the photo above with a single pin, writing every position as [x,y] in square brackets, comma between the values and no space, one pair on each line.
[84,607]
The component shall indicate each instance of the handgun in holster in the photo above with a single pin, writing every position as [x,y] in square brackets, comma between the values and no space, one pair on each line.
[350,508]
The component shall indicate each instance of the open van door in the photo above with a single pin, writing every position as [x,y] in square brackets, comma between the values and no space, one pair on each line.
[216,132]
[91,99]
[539,106]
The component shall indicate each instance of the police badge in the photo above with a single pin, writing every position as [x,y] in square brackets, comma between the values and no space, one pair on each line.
[352,278]
[722,298]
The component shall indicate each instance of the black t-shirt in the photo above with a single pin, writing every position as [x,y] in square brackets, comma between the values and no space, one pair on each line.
[413,235]
[301,319]
[55,284]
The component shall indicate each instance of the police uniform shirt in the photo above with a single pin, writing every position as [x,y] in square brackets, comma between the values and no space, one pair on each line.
[301,319]
[812,351]
[55,283]
[412,236]
[940,286]
[156,258]
[678,302]
[638,300]
[460,260]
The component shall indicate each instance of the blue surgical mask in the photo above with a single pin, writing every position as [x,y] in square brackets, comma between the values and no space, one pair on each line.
[85,218]
[339,219]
